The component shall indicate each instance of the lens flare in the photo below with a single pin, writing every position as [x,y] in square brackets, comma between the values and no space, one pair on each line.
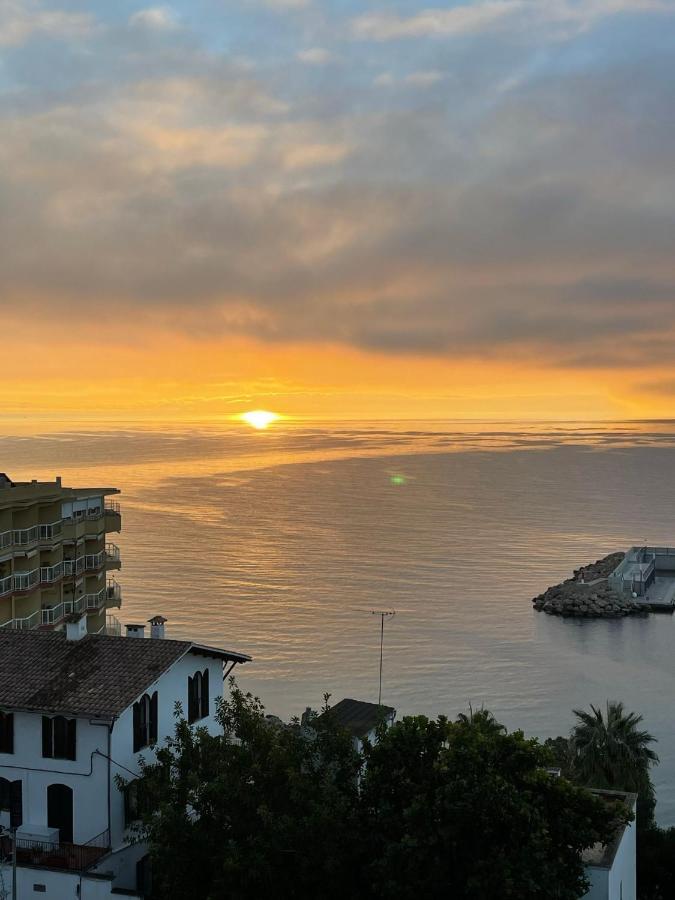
[259,418]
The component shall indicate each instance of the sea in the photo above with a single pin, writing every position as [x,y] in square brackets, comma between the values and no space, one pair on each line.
[287,543]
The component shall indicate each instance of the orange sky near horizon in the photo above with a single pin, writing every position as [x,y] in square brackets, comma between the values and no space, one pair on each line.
[165,376]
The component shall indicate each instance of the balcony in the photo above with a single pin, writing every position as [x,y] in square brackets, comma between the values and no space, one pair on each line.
[113,518]
[51,531]
[6,585]
[113,593]
[93,561]
[24,536]
[94,602]
[25,624]
[6,539]
[112,556]
[26,581]
[74,566]
[57,855]
[49,574]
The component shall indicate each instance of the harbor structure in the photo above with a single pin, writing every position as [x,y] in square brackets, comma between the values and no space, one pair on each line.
[55,555]
[647,575]
[77,710]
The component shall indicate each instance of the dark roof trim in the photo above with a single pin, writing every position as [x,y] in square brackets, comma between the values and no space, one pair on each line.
[217,653]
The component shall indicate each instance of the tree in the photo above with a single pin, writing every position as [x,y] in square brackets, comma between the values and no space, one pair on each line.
[463,809]
[433,809]
[260,810]
[612,752]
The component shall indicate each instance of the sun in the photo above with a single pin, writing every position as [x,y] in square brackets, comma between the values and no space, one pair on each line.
[259,418]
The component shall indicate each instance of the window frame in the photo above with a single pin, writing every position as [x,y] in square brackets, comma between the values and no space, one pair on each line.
[145,715]
[59,738]
[198,696]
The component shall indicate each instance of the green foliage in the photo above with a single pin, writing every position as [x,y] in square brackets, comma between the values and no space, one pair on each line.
[434,809]
[464,809]
[656,863]
[611,751]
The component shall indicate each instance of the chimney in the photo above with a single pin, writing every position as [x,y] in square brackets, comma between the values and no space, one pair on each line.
[135,631]
[58,481]
[76,627]
[157,626]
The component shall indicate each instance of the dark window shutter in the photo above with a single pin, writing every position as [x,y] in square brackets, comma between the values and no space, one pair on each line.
[6,732]
[5,794]
[60,726]
[153,719]
[47,751]
[71,739]
[205,693]
[15,804]
[137,727]
[191,699]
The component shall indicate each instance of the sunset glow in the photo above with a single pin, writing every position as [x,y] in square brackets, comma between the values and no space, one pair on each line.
[259,418]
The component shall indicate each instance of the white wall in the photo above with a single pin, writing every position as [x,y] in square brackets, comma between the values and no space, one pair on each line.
[170,687]
[619,882]
[58,885]
[623,875]
[87,775]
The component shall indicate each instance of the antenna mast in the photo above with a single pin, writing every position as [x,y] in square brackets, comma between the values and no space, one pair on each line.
[382,613]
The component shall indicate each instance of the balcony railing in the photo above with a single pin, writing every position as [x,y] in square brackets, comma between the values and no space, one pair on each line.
[48,532]
[74,566]
[6,585]
[112,553]
[57,855]
[23,536]
[92,602]
[112,507]
[51,573]
[25,624]
[95,560]
[114,593]
[24,581]
[113,626]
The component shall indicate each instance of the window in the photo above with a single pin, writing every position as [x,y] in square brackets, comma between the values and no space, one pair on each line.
[58,737]
[136,801]
[145,721]
[11,800]
[6,732]
[198,696]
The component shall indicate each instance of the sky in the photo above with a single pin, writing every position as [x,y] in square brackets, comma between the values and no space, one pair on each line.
[343,209]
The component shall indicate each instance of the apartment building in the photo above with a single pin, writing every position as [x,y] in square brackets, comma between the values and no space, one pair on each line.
[55,556]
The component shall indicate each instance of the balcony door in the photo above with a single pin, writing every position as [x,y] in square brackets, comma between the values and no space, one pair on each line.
[60,811]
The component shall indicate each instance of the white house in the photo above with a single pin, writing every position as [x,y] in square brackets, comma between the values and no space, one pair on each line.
[611,868]
[77,710]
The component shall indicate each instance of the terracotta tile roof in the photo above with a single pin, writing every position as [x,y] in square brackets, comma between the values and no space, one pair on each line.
[359,717]
[97,676]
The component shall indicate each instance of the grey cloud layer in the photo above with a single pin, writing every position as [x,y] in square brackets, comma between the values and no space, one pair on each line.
[522,200]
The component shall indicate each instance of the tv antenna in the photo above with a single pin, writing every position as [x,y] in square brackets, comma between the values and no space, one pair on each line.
[383,614]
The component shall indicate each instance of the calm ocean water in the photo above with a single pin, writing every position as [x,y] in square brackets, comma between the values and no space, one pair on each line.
[279,544]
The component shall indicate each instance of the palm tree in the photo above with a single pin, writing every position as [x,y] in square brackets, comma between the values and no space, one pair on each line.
[612,752]
[482,719]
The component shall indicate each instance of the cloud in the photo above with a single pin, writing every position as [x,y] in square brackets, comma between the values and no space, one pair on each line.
[169,185]
[154,17]
[21,20]
[316,56]
[457,20]
[487,15]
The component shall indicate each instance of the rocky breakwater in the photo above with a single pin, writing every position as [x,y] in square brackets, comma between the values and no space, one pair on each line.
[587,594]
